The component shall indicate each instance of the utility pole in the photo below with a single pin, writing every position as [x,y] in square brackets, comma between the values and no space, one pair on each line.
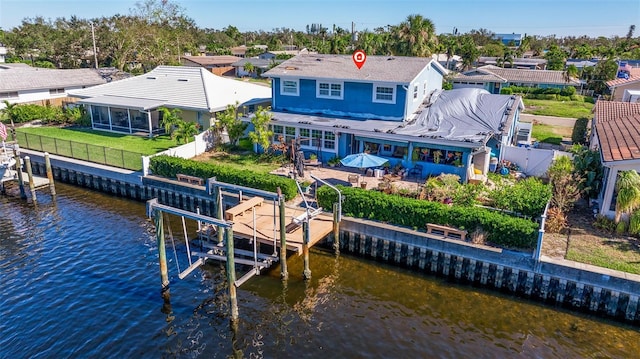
[95,52]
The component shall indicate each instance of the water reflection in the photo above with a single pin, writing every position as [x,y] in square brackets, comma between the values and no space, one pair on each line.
[80,277]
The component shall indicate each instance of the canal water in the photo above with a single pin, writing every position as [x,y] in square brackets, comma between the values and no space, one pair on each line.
[79,278]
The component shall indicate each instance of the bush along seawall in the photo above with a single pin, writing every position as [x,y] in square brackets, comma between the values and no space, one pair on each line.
[563,283]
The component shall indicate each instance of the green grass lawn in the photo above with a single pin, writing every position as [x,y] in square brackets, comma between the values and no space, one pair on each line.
[138,144]
[571,109]
[609,253]
[550,134]
[242,157]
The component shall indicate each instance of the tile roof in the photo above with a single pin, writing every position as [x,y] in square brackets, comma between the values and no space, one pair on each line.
[21,78]
[261,63]
[182,87]
[605,111]
[620,138]
[212,60]
[397,69]
[634,76]
[522,75]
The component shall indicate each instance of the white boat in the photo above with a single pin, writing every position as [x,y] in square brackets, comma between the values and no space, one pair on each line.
[7,165]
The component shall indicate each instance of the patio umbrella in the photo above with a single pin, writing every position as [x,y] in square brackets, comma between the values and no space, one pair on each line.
[363,160]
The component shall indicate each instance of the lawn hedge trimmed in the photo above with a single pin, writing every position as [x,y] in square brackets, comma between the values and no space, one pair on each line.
[168,166]
[501,229]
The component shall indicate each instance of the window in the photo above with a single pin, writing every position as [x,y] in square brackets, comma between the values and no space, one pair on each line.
[384,94]
[317,137]
[56,91]
[8,94]
[415,92]
[278,133]
[305,137]
[329,90]
[424,88]
[329,140]
[290,134]
[289,87]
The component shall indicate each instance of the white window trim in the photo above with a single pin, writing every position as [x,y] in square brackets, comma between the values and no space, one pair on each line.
[416,91]
[393,94]
[297,81]
[318,95]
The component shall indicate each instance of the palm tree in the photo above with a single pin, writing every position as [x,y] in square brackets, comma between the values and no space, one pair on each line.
[9,110]
[248,67]
[170,119]
[416,36]
[185,131]
[507,57]
[628,188]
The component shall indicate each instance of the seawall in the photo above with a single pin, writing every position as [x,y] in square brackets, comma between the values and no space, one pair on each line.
[559,282]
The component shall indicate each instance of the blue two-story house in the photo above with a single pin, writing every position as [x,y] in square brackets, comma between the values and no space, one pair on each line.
[392,107]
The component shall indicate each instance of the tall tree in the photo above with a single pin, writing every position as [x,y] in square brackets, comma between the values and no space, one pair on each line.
[230,121]
[261,133]
[469,52]
[416,36]
[556,58]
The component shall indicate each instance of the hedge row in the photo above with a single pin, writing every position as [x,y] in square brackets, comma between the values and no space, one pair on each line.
[579,134]
[168,166]
[501,229]
[567,91]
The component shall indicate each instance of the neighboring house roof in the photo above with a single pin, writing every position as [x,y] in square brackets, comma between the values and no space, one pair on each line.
[256,62]
[619,138]
[239,50]
[516,62]
[14,77]
[478,76]
[207,61]
[519,75]
[605,111]
[184,87]
[634,76]
[443,57]
[580,63]
[397,69]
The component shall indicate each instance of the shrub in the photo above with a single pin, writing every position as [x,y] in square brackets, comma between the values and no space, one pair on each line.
[528,197]
[568,91]
[506,91]
[563,98]
[604,223]
[579,134]
[589,99]
[502,229]
[557,220]
[634,224]
[621,228]
[168,166]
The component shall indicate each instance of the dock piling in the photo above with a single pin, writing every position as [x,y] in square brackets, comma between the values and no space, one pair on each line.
[283,238]
[306,273]
[47,163]
[231,273]
[162,253]
[336,229]
[32,186]
[23,193]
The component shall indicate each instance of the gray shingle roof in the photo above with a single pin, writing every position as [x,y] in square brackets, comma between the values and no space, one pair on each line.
[21,78]
[397,69]
[521,75]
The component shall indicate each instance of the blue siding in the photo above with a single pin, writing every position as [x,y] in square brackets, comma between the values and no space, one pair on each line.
[357,100]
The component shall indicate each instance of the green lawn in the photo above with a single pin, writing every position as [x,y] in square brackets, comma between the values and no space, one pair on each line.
[138,144]
[550,134]
[571,109]
[609,253]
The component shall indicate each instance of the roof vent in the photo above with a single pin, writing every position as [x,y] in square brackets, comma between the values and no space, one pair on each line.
[391,58]
[290,68]
[183,80]
[151,78]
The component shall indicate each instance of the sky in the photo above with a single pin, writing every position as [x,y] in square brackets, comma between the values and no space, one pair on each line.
[541,17]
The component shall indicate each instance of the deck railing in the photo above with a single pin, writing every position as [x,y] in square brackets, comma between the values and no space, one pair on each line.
[81,151]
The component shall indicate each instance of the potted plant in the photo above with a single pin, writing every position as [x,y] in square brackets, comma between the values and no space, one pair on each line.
[313,158]
[437,155]
[334,161]
[305,185]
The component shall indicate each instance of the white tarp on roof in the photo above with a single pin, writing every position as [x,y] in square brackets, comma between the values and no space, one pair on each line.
[466,114]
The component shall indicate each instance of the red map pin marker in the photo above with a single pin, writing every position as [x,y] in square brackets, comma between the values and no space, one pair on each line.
[359,57]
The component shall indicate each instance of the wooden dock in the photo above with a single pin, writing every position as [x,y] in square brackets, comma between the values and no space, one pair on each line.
[319,227]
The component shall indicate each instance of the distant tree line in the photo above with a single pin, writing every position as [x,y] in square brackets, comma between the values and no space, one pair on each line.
[157,32]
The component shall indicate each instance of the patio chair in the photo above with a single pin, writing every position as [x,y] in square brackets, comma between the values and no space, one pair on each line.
[416,170]
[354,179]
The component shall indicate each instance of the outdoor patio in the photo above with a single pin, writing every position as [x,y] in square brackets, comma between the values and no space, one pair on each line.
[354,177]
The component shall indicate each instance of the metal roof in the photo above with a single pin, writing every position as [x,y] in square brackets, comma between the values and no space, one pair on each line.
[397,69]
[519,75]
[124,102]
[212,60]
[193,88]
[22,78]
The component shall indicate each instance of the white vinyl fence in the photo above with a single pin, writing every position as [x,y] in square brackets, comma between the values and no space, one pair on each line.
[532,161]
[202,143]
